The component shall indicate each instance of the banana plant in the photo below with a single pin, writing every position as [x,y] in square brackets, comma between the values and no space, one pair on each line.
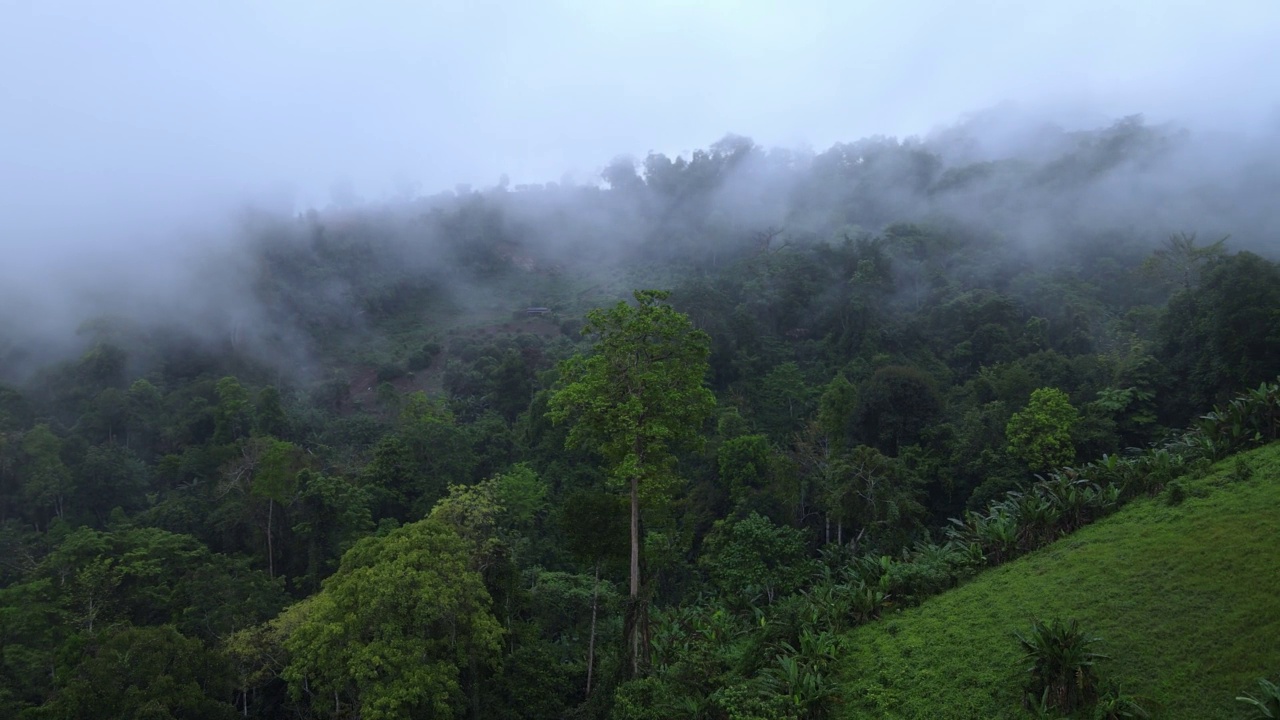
[804,676]
[1116,705]
[1063,676]
[1266,704]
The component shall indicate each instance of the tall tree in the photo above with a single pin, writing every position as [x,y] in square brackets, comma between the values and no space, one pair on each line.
[638,398]
[896,404]
[1181,261]
[275,477]
[782,401]
[1222,334]
[1040,433]
[143,672]
[392,632]
[837,410]
[47,481]
[331,513]
[233,416]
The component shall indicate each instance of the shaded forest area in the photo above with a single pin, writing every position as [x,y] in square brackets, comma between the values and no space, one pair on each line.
[352,488]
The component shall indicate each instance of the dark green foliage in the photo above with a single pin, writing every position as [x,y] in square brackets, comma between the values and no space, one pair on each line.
[394,630]
[535,682]
[1040,434]
[837,410]
[269,416]
[1117,705]
[650,699]
[593,525]
[747,467]
[233,414]
[389,371]
[15,412]
[895,405]
[1224,334]
[1062,665]
[47,481]
[143,672]
[111,476]
[1241,470]
[637,399]
[880,496]
[160,598]
[977,328]
[412,467]
[784,401]
[511,385]
[424,356]
[1265,705]
[923,571]
[330,515]
[753,560]
[874,366]
[495,375]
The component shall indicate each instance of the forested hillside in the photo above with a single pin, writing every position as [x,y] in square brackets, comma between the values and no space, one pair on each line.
[643,448]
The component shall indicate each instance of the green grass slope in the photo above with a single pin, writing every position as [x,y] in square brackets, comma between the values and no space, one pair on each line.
[1185,599]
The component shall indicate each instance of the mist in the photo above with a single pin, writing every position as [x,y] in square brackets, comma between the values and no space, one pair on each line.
[141,145]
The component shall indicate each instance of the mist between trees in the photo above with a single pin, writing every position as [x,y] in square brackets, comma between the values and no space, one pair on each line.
[364,462]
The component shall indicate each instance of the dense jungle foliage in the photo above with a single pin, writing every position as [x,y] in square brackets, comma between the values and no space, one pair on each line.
[394,478]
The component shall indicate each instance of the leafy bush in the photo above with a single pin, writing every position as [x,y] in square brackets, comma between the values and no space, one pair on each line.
[1241,471]
[929,569]
[1063,677]
[1117,705]
[650,698]
[746,701]
[422,359]
[752,558]
[804,676]
[1040,434]
[389,371]
[1266,705]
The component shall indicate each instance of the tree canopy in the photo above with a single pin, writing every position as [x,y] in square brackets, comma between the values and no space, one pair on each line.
[439,457]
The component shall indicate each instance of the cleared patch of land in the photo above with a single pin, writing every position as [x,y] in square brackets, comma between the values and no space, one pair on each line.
[1186,599]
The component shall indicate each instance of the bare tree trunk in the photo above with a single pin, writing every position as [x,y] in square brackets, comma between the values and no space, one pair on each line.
[635,576]
[271,556]
[475,683]
[591,644]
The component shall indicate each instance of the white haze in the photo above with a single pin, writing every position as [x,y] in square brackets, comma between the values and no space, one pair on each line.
[133,133]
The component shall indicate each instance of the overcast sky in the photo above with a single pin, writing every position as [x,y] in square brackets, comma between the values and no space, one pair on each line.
[115,111]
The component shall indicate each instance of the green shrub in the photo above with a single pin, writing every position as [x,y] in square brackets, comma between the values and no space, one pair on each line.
[1266,705]
[930,569]
[389,371]
[1241,470]
[1063,678]
[1117,705]
[650,698]
[747,701]
[422,359]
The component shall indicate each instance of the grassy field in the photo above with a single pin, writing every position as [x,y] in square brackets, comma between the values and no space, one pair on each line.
[1185,597]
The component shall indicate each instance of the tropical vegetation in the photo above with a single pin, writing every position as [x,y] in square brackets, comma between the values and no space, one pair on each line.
[736,434]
